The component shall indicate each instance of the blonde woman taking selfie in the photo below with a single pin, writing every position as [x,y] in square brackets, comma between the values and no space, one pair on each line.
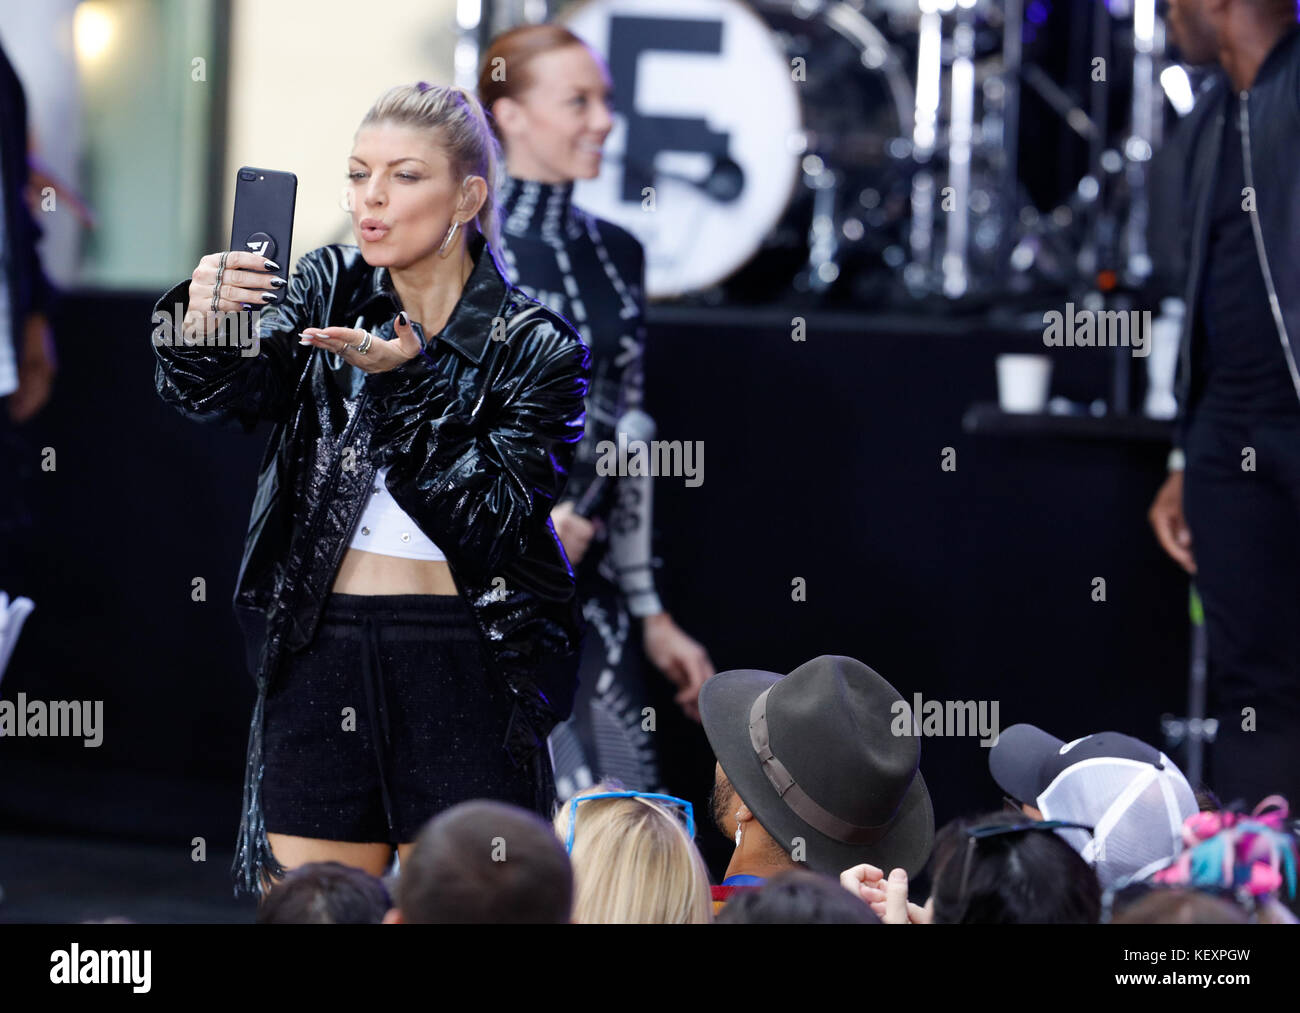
[409,611]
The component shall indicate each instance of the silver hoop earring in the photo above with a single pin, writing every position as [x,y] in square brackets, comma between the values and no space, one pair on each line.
[450,237]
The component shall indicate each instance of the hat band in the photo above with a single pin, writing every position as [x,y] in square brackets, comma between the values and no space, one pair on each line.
[795,797]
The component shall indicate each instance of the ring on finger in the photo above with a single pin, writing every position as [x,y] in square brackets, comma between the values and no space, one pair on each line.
[364,347]
[216,288]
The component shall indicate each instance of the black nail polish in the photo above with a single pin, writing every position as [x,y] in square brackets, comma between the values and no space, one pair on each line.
[403,319]
[271,265]
[270,297]
[245,306]
[277,283]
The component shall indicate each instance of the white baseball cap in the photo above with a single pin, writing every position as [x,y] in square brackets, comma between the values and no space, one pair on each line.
[1133,796]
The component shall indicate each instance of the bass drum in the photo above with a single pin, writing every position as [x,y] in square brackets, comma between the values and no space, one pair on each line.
[759,150]
[842,239]
[703,157]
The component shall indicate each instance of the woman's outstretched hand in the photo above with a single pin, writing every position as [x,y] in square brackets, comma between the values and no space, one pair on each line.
[380,357]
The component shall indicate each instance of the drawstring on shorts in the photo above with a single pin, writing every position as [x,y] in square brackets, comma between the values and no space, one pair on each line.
[377,706]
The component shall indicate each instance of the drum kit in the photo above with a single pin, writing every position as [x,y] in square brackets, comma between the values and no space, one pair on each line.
[869,152]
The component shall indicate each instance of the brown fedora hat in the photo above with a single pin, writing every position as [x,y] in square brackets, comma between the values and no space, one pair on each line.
[814,756]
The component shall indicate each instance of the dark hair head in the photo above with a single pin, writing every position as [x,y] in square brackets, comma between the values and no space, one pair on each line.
[325,893]
[504,72]
[1028,877]
[797,897]
[486,862]
[1180,905]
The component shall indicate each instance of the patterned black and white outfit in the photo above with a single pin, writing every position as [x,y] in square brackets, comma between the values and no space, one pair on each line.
[592,272]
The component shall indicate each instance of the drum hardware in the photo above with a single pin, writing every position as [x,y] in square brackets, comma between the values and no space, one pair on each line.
[724,181]
[822,268]
[873,175]
[1105,220]
[956,276]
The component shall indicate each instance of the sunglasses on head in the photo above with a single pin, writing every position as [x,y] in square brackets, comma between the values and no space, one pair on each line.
[977,834]
[671,799]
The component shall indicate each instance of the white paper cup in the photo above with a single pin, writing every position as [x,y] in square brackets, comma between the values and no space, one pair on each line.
[1024,382]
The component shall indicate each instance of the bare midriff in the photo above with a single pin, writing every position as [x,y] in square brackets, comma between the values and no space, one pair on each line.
[364,572]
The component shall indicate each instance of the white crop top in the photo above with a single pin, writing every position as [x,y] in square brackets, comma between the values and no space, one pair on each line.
[387,529]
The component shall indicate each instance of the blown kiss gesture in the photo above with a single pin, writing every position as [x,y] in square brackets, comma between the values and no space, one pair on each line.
[379,355]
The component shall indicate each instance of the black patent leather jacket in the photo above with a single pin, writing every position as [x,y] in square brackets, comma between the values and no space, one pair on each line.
[478,431]
[1269,114]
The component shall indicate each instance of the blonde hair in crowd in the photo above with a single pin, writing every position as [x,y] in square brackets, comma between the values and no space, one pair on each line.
[633,863]
[463,134]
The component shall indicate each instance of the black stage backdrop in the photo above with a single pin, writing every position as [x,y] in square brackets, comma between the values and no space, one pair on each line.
[822,461]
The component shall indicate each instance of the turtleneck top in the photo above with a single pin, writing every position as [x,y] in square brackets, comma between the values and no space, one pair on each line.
[591,272]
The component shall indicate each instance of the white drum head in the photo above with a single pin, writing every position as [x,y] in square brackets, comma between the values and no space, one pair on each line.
[730,84]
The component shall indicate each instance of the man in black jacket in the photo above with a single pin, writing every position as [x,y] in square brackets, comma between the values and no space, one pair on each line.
[1233,493]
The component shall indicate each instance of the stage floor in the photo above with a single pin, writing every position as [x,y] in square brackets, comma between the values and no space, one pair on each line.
[70,880]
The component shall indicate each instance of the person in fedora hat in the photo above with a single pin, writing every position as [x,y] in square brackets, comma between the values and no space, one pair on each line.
[809,771]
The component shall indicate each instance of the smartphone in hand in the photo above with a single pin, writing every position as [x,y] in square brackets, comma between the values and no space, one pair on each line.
[263,223]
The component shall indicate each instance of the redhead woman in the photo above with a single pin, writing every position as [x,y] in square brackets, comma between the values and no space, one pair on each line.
[551,109]
[410,614]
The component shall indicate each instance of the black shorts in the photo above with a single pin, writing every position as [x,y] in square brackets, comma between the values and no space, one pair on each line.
[389,716]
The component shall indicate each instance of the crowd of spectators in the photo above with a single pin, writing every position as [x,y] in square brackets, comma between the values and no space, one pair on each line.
[820,789]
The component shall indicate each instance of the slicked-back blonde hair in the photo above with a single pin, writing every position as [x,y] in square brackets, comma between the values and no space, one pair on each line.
[633,863]
[462,131]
